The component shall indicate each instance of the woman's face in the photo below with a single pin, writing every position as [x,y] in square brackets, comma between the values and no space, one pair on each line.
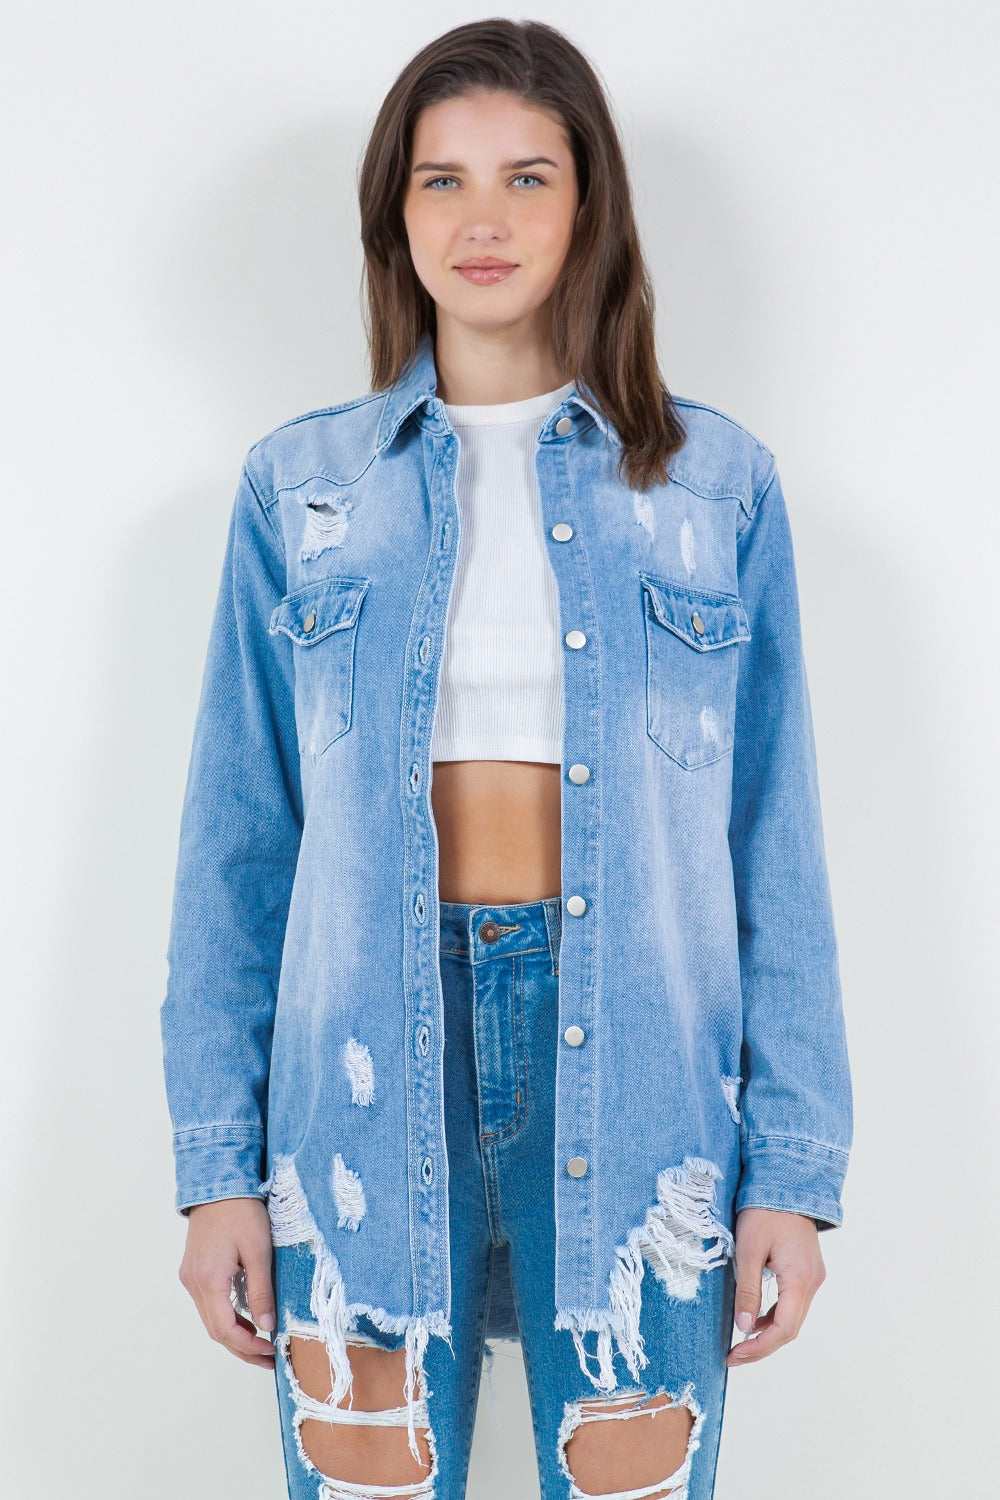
[492,178]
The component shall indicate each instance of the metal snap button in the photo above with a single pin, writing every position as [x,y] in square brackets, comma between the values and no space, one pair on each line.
[698,623]
[564,425]
[576,1166]
[576,906]
[573,1035]
[562,531]
[579,774]
[309,621]
[576,639]
[489,932]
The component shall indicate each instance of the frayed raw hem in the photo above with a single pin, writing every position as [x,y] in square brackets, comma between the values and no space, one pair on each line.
[671,1239]
[292,1223]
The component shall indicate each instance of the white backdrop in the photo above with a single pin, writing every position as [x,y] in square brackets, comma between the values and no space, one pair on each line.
[180,273]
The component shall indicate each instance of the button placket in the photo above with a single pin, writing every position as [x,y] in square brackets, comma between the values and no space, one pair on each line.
[578,774]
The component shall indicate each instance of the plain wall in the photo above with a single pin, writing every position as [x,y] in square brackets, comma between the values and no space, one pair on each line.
[816,188]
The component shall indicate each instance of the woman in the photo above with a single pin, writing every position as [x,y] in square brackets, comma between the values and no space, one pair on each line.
[502,963]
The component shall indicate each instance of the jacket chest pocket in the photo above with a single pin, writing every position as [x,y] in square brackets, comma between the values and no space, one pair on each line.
[322,622]
[692,658]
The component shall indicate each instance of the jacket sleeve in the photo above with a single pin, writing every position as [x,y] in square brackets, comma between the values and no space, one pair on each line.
[240,830]
[796,1105]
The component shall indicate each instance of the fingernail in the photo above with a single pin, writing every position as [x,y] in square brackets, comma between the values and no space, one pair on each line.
[266,1322]
[743,1321]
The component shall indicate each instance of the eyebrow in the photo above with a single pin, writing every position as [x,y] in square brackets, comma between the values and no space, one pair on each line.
[506,166]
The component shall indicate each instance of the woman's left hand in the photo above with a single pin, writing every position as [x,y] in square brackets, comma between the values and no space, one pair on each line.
[788,1244]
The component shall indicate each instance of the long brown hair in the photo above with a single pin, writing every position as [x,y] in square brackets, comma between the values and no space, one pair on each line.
[602,307]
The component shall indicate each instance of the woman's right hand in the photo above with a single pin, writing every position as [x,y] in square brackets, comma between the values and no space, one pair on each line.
[225,1239]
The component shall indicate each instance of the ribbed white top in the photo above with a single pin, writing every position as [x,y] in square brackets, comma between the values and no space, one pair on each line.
[501,688]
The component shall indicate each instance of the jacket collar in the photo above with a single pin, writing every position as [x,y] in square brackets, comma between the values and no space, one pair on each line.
[417,386]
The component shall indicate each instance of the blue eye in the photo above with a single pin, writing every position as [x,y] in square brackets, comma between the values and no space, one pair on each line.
[521,176]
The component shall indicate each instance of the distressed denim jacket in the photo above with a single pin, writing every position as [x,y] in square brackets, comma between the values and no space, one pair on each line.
[304,1062]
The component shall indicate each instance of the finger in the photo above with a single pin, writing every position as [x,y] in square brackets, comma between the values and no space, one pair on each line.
[779,1326]
[749,1271]
[246,1329]
[259,1290]
[230,1329]
[764,1321]
[242,1339]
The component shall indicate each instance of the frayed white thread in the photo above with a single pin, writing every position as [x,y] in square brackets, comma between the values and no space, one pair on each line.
[418,1489]
[671,1240]
[349,1195]
[677,1482]
[292,1223]
[730,1087]
[687,544]
[360,1070]
[326,526]
[344,1489]
[490,1354]
[313,1409]
[319,1409]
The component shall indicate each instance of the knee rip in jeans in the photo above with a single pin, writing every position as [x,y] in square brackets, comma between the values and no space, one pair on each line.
[353,1462]
[678,1420]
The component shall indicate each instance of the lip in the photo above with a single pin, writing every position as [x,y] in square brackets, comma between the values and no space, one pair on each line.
[485,270]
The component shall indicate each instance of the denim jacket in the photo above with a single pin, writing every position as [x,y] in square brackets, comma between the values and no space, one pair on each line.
[304,1063]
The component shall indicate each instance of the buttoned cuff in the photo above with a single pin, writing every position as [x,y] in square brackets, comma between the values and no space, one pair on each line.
[218,1161]
[794,1176]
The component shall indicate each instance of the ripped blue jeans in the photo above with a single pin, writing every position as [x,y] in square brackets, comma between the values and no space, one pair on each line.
[499,969]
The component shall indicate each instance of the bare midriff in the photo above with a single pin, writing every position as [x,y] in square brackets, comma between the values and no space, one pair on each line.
[499,830]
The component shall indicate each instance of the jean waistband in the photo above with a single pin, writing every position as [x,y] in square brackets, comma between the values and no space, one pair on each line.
[481,932]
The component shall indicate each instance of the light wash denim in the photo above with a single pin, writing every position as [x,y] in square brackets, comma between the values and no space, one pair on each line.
[500,977]
[702,1061]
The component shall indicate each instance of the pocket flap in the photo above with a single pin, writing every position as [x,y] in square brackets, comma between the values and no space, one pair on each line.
[701,617]
[314,611]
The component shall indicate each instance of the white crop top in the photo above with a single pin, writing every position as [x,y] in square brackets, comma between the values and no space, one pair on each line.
[501,687]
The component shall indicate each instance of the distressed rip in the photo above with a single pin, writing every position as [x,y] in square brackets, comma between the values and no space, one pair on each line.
[709,721]
[349,1195]
[292,1223]
[731,1087]
[312,1409]
[687,543]
[326,526]
[671,1239]
[360,1070]
[643,508]
[628,1405]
